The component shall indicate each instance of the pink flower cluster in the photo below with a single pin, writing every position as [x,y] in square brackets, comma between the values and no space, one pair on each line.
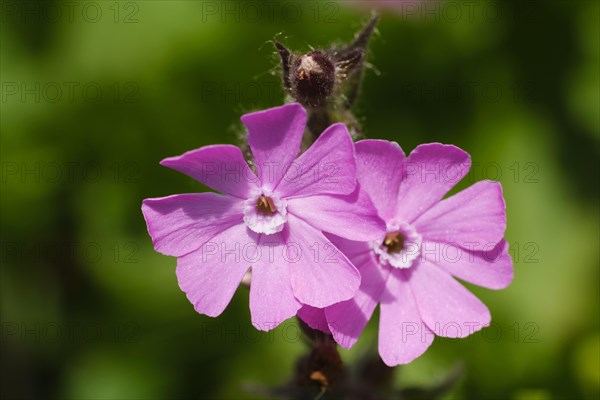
[332,232]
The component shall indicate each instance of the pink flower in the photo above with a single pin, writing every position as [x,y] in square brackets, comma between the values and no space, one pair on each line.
[271,221]
[409,271]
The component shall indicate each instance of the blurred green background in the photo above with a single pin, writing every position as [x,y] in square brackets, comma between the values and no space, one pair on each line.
[95,94]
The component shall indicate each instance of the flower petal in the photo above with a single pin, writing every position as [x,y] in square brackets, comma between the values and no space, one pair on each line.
[321,274]
[271,297]
[402,334]
[492,268]
[274,136]
[210,275]
[358,252]
[181,223]
[351,216]
[220,167]
[327,167]
[445,305]
[348,319]
[429,172]
[474,218]
[314,318]
[379,171]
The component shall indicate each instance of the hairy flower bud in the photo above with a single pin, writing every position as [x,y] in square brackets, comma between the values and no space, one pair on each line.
[312,78]
[327,82]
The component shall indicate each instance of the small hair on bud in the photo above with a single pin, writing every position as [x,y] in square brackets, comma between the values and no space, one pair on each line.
[286,59]
[349,62]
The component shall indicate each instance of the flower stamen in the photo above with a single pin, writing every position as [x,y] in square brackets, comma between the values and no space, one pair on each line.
[394,242]
[265,205]
[400,246]
[265,212]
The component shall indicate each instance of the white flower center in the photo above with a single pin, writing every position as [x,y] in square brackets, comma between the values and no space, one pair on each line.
[265,212]
[400,247]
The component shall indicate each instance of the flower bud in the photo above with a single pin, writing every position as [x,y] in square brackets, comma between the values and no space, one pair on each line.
[312,78]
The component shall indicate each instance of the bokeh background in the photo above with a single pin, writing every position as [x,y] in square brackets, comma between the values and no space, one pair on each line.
[95,94]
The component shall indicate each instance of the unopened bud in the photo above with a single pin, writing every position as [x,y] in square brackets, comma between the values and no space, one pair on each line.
[312,78]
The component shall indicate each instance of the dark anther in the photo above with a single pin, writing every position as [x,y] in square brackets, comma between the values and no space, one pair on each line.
[394,242]
[265,205]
